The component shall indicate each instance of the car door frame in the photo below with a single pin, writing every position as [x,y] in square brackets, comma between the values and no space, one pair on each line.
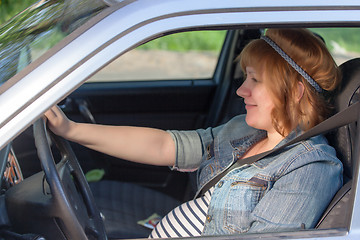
[140,24]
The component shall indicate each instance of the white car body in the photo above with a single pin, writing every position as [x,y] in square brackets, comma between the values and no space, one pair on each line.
[127,24]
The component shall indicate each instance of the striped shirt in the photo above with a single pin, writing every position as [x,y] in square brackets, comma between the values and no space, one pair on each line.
[186,220]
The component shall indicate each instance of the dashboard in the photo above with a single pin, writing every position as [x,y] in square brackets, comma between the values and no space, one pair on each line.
[10,169]
[10,173]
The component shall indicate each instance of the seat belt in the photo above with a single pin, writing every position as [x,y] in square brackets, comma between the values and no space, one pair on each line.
[342,118]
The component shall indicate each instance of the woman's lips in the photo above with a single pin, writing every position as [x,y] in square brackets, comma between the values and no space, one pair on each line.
[249,106]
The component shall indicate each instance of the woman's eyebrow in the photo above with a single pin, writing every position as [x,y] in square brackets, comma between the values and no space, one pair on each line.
[252,72]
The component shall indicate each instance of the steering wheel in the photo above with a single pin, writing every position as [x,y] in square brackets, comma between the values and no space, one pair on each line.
[73,201]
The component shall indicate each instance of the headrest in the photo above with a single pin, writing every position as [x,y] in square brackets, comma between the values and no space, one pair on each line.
[343,139]
[349,88]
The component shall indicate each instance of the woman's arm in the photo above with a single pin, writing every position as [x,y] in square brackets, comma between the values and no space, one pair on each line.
[137,144]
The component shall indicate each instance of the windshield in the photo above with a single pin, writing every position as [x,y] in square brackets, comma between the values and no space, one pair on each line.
[32,32]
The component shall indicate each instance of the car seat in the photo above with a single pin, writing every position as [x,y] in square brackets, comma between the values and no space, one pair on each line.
[346,142]
[123,204]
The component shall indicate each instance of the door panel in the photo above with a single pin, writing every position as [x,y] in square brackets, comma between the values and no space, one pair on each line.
[173,106]
[125,93]
[182,104]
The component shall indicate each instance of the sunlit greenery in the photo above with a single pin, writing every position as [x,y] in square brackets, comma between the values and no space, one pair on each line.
[346,38]
[9,8]
[207,41]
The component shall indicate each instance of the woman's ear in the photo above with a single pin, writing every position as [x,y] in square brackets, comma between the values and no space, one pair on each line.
[300,91]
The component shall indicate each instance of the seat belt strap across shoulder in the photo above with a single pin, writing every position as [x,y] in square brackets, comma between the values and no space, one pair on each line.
[342,118]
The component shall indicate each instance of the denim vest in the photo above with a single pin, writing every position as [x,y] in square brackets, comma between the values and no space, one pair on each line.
[286,191]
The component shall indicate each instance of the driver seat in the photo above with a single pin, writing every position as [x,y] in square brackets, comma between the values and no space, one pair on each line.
[123,204]
[346,141]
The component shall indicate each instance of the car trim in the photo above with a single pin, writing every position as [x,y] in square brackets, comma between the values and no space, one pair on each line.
[131,30]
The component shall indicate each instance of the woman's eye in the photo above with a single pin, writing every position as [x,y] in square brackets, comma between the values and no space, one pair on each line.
[254,80]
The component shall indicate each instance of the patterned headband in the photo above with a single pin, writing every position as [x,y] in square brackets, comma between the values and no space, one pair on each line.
[292,63]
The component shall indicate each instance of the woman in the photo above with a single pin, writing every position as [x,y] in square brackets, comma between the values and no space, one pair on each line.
[289,73]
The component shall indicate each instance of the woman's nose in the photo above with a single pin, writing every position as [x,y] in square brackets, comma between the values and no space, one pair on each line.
[243,91]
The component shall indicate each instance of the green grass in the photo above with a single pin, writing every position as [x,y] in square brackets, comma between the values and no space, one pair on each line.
[201,41]
[346,38]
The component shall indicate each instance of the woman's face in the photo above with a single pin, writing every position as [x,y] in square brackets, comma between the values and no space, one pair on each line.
[258,101]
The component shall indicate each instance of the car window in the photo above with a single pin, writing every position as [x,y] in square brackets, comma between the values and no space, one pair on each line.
[26,36]
[187,55]
[343,43]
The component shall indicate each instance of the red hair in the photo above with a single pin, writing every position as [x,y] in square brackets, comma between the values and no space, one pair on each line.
[311,54]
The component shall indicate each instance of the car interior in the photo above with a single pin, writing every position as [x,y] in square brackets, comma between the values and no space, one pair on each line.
[130,192]
[344,140]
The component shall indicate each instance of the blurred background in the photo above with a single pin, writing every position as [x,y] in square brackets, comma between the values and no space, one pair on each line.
[8,8]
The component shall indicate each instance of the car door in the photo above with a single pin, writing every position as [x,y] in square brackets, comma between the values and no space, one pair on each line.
[180,81]
[175,82]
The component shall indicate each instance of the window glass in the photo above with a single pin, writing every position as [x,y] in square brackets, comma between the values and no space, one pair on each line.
[343,43]
[188,55]
[28,35]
